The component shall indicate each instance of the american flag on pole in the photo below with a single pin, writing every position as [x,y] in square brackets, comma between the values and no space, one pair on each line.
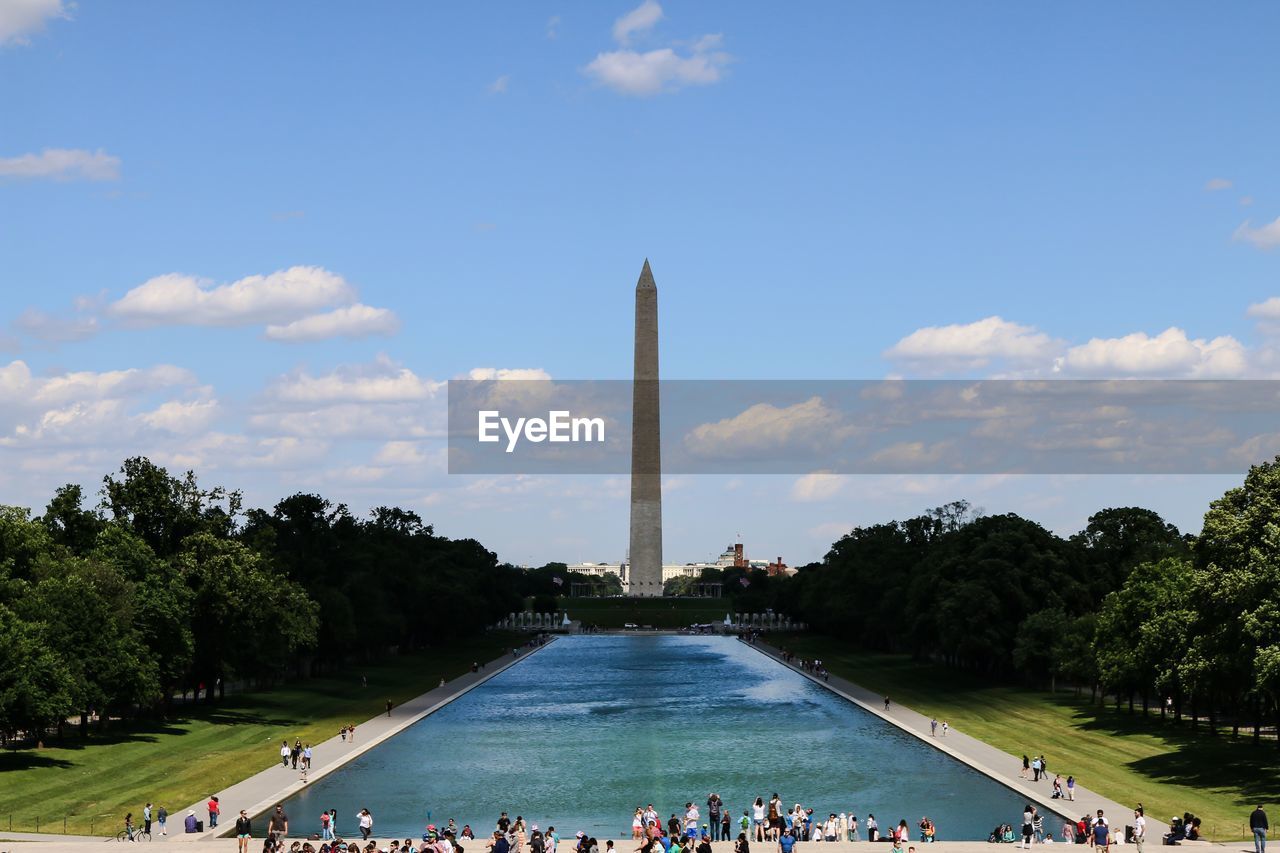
[558,581]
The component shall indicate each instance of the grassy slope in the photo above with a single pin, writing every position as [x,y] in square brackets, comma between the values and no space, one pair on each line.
[205,749]
[657,612]
[1125,758]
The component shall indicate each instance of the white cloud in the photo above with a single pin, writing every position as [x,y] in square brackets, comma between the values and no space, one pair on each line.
[61,164]
[1264,237]
[1170,354]
[640,19]
[629,72]
[353,321]
[1268,310]
[19,19]
[98,409]
[818,486]
[282,296]
[499,86]
[481,374]
[973,345]
[1215,184]
[380,382]
[55,329]
[181,417]
[765,428]
[400,453]
[553,26]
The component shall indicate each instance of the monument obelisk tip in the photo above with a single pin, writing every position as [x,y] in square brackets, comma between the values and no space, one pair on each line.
[646,277]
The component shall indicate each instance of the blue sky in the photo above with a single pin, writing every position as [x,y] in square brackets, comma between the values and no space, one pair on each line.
[825,190]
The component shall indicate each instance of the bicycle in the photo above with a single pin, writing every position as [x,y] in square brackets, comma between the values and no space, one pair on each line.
[138,835]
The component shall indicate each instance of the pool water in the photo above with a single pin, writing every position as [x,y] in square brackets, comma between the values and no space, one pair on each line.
[590,727]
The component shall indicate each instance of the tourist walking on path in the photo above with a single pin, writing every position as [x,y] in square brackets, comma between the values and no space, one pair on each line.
[886,703]
[945,726]
[214,811]
[244,830]
[933,727]
[1139,828]
[162,815]
[1026,765]
[1258,823]
[1071,787]
[146,818]
[284,754]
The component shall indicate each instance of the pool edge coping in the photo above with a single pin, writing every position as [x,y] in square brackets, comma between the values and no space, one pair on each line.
[262,806]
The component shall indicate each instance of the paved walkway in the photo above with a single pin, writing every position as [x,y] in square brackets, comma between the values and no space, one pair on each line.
[981,756]
[262,791]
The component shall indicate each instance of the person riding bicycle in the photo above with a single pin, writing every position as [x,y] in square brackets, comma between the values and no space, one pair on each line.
[128,826]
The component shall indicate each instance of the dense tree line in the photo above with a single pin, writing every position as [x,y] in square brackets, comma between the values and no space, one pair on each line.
[1127,608]
[164,585]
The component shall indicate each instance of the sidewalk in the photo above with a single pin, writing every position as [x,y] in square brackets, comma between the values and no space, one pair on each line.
[263,790]
[981,756]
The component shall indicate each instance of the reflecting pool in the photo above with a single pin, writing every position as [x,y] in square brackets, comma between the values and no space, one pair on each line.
[590,727]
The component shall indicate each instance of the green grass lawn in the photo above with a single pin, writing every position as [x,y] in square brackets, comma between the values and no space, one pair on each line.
[656,612]
[207,748]
[1126,758]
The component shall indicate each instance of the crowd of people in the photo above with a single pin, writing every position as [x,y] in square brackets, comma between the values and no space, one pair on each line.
[769,822]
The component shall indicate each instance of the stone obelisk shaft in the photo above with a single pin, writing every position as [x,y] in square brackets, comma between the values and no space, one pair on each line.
[645,568]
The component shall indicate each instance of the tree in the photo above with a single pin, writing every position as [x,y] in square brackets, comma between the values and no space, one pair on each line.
[1115,540]
[35,686]
[68,522]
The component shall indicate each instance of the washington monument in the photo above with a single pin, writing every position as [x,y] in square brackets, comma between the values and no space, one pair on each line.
[644,569]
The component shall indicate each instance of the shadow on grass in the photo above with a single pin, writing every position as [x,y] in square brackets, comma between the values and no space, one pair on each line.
[27,759]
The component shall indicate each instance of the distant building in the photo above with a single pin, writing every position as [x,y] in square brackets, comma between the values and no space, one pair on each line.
[732,557]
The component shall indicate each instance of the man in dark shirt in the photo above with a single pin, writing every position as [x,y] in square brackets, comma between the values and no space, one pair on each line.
[278,826]
[713,815]
[1258,823]
[504,823]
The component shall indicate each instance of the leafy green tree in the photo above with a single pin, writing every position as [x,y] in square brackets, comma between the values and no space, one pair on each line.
[68,522]
[164,510]
[1117,539]
[35,686]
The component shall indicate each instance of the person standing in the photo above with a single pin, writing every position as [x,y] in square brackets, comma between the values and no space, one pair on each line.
[1258,823]
[214,811]
[1026,765]
[713,815]
[366,824]
[306,756]
[1101,834]
[326,827]
[278,825]
[1139,828]
[146,818]
[388,707]
[244,829]
[945,726]
[724,825]
[933,727]
[1027,816]
[162,815]
[1071,787]
[284,754]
